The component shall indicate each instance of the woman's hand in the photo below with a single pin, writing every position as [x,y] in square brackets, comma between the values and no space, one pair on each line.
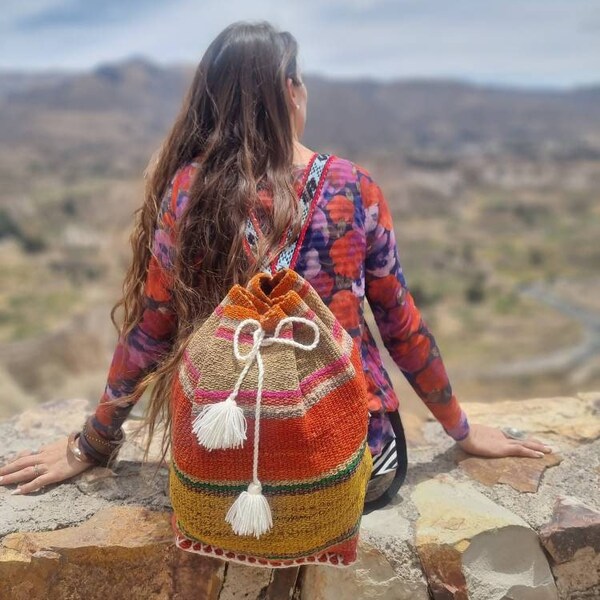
[491,441]
[54,463]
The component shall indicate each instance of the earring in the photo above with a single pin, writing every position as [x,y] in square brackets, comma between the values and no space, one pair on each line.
[297,106]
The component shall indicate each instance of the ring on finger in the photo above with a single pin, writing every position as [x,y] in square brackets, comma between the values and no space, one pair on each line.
[513,433]
[36,470]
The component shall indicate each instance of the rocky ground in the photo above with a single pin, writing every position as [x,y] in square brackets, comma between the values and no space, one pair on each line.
[461,527]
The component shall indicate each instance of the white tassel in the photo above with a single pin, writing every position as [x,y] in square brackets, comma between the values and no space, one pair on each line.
[250,514]
[221,425]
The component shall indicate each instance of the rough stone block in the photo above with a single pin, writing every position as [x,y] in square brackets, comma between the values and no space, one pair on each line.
[572,539]
[472,548]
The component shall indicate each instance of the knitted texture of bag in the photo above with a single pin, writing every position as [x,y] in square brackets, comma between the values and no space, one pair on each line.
[269,457]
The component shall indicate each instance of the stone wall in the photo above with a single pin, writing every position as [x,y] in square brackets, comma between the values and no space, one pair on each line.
[461,527]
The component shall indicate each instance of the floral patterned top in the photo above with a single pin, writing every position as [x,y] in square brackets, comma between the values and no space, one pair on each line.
[348,254]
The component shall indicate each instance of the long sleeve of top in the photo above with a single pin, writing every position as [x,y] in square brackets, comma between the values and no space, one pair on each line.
[404,332]
[138,353]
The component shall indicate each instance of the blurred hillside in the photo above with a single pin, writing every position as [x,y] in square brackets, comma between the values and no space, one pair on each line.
[495,193]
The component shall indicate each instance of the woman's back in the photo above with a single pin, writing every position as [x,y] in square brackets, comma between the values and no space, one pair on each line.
[348,254]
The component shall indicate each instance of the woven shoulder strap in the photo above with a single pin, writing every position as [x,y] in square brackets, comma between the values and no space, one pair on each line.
[286,255]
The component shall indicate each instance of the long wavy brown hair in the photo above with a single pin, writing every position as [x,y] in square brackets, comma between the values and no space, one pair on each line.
[235,121]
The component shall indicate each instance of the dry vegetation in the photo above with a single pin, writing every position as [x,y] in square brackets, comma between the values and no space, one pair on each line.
[480,214]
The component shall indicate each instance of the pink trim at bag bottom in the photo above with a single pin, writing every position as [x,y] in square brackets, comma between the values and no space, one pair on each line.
[325,558]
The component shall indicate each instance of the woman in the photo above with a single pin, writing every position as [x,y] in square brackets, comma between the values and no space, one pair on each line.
[235,146]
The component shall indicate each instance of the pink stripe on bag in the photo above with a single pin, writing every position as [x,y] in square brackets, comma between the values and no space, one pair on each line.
[315,378]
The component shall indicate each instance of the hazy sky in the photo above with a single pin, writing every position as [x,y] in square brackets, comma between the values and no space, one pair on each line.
[522,42]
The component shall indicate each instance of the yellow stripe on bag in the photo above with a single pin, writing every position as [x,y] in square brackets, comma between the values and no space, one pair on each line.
[326,515]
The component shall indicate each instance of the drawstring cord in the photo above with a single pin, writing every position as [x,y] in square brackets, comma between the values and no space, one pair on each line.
[223,425]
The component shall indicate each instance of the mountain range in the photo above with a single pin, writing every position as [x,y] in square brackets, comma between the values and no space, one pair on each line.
[131,104]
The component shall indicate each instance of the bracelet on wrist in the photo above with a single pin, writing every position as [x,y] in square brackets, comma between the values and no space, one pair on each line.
[102,458]
[89,446]
[100,443]
[76,451]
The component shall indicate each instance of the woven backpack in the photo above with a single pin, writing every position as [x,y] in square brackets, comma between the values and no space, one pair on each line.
[269,458]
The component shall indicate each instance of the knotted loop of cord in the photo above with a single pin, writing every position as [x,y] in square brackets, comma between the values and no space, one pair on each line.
[259,340]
